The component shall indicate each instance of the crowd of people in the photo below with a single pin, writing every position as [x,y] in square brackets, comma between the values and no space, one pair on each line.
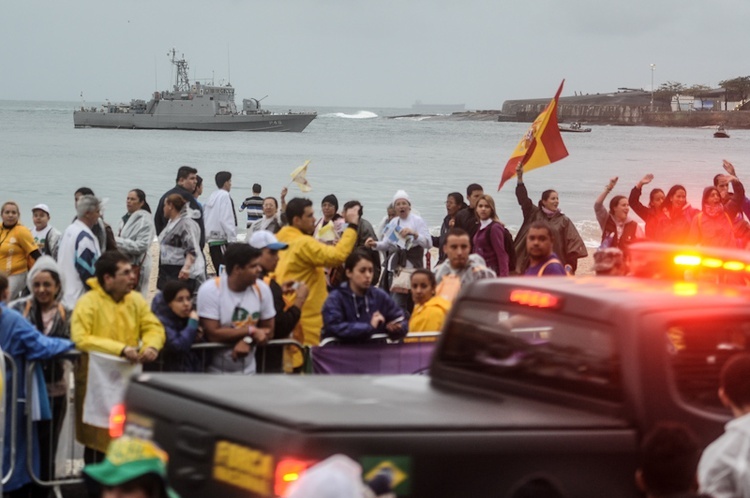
[295,276]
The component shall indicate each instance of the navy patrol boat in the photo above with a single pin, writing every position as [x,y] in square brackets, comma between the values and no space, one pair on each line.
[191,106]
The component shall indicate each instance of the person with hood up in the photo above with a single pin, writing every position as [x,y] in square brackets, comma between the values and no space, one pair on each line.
[568,244]
[135,235]
[618,230]
[356,310]
[406,238]
[173,306]
[429,310]
[20,340]
[713,226]
[220,219]
[181,256]
[43,310]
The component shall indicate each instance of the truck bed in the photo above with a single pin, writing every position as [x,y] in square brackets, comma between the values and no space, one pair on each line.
[437,442]
[355,403]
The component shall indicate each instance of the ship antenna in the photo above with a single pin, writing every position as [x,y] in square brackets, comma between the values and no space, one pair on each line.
[229,68]
[182,83]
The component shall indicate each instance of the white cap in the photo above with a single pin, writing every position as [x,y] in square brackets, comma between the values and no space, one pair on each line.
[264,239]
[401,194]
[42,207]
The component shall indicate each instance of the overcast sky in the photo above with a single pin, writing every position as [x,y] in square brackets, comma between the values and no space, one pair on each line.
[368,53]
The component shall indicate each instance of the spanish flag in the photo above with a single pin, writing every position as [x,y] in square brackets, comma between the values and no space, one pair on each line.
[541,145]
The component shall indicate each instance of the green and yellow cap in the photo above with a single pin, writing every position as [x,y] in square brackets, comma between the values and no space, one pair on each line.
[129,458]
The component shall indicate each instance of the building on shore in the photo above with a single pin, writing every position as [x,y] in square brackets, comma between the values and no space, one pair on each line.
[635,107]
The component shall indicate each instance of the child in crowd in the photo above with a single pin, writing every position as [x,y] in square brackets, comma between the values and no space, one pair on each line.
[429,309]
[46,237]
[723,470]
[356,310]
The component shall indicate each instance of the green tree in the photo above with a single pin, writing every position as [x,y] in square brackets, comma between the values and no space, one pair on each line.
[736,88]
[667,90]
[698,92]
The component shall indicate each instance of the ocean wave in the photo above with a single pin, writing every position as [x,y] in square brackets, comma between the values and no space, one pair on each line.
[356,115]
[412,118]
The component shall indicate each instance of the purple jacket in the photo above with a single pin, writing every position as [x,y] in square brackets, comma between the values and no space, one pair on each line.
[489,243]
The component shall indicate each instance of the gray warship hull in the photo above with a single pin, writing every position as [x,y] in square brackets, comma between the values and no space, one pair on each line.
[293,122]
[191,106]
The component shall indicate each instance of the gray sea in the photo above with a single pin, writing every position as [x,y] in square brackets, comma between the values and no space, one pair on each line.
[356,153]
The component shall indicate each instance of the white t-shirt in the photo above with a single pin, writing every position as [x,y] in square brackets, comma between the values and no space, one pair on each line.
[40,236]
[234,309]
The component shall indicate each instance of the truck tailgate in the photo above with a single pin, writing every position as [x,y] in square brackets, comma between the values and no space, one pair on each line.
[439,443]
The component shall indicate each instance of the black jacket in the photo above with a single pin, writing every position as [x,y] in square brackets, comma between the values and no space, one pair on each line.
[160,221]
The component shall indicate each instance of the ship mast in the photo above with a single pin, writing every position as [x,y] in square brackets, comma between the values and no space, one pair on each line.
[182,84]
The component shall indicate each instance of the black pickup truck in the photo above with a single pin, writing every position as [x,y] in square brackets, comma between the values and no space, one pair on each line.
[552,377]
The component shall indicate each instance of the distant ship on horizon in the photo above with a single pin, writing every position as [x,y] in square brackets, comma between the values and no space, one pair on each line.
[418,106]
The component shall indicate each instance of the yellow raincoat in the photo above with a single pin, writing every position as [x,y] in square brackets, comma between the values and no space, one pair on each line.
[101,324]
[429,317]
[304,261]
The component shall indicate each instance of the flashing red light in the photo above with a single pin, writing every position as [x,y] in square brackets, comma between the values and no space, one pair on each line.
[536,299]
[288,470]
[116,421]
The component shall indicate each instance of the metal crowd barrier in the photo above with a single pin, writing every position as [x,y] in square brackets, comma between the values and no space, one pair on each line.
[13,403]
[74,458]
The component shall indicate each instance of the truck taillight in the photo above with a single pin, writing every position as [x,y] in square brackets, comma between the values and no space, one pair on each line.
[116,421]
[526,297]
[289,470]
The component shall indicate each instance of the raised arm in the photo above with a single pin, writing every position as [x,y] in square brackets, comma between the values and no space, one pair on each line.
[599,209]
[635,197]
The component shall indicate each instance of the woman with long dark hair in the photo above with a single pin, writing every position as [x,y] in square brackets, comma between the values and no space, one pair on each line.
[135,235]
[453,204]
[651,214]
[678,214]
[713,226]
[489,241]
[618,230]
[567,244]
[356,310]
